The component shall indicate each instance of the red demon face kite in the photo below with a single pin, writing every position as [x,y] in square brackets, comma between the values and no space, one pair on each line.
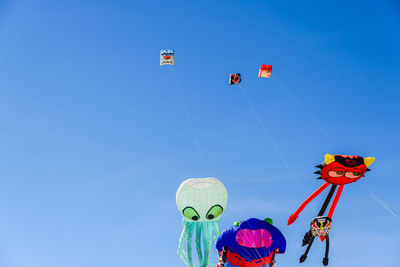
[336,171]
[340,169]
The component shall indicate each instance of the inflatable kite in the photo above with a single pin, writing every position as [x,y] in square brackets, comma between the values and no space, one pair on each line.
[251,243]
[319,227]
[201,201]
[167,57]
[235,78]
[265,71]
[337,171]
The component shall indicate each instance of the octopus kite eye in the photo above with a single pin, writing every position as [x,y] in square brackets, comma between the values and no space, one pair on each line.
[214,212]
[191,213]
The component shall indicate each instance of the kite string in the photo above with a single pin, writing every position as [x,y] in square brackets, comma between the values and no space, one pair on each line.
[338,253]
[380,201]
[269,136]
[189,119]
[375,187]
[303,110]
[379,198]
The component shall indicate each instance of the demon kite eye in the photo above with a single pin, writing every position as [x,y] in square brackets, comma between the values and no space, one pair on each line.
[336,173]
[353,175]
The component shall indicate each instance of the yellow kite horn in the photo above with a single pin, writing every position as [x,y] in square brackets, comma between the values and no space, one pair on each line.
[368,161]
[329,158]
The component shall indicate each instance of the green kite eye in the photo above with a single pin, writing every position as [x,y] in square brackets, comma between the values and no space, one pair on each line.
[339,172]
[356,173]
[191,213]
[214,212]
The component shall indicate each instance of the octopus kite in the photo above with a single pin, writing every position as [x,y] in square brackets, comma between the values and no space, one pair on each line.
[337,171]
[251,243]
[201,201]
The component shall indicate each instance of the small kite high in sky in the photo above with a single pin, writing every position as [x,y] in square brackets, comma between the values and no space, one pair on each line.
[265,71]
[235,78]
[167,57]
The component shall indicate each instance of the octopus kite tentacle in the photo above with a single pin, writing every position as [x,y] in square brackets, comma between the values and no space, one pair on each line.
[181,252]
[189,244]
[207,237]
[216,230]
[199,229]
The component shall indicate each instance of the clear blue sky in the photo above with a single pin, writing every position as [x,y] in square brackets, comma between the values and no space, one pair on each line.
[94,140]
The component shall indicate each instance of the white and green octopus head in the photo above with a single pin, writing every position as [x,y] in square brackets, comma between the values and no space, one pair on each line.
[201,199]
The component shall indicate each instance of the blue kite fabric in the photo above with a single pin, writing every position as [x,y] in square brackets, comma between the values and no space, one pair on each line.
[253,243]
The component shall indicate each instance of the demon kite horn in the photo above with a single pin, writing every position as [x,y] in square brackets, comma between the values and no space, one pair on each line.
[368,161]
[329,158]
